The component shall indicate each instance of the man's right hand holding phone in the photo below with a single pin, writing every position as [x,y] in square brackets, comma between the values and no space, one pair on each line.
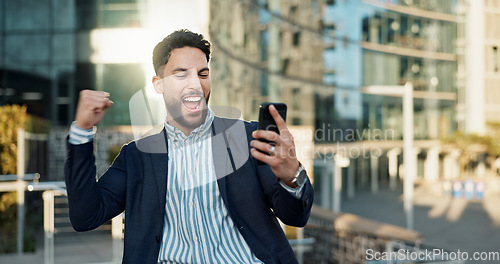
[282,157]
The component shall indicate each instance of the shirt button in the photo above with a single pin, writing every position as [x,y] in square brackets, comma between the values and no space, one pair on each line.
[190,172]
[190,204]
[195,239]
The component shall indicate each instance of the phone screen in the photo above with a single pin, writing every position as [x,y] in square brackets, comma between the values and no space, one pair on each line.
[266,120]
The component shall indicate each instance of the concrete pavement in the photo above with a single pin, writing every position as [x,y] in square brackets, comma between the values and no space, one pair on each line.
[445,222]
[78,248]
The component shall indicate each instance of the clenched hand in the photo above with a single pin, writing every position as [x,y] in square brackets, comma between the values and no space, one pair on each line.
[91,108]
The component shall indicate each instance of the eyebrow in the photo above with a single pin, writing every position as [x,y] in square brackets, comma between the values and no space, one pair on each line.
[179,69]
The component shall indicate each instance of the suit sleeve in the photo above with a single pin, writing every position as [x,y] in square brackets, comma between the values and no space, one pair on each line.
[92,202]
[291,210]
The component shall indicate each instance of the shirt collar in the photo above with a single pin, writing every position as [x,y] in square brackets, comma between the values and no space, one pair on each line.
[199,131]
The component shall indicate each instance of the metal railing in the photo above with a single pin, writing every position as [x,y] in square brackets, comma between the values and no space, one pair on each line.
[18,183]
[29,182]
[50,191]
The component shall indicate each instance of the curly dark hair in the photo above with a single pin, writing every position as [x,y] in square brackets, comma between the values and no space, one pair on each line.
[178,39]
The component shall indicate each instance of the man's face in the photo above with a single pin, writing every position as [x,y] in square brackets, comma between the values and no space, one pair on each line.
[185,87]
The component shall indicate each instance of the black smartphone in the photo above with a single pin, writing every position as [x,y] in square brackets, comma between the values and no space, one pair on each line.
[266,120]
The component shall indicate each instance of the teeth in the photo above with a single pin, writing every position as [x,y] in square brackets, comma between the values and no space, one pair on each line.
[192,99]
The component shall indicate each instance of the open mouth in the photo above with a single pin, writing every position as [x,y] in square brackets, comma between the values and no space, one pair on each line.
[192,103]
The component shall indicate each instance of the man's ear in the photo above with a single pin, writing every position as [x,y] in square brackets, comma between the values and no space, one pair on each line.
[157,84]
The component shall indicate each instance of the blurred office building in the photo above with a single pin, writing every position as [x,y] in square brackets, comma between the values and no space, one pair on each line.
[267,51]
[327,60]
[479,65]
[379,46]
[38,57]
[50,50]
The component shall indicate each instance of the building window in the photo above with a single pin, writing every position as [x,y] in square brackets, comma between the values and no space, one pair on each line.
[495,59]
[284,65]
[264,15]
[293,11]
[119,13]
[264,89]
[392,28]
[296,121]
[345,98]
[86,14]
[264,41]
[263,4]
[314,8]
[329,60]
[295,98]
[329,35]
[415,27]
[296,38]
[329,79]
[365,29]
[375,34]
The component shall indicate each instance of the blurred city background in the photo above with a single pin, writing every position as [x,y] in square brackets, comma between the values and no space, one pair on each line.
[343,67]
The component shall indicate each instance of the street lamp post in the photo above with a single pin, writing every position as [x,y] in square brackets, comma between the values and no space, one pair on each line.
[406,92]
[408,156]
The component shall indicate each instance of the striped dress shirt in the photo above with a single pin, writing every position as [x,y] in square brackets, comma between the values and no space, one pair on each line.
[197,227]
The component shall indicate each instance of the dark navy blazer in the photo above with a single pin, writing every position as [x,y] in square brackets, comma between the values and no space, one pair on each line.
[136,182]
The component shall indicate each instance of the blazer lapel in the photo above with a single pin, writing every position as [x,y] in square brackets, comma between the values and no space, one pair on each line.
[156,147]
[220,159]
[160,170]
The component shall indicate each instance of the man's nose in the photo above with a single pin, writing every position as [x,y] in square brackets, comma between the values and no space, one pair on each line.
[194,81]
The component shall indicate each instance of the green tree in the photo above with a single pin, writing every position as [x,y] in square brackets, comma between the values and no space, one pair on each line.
[12,118]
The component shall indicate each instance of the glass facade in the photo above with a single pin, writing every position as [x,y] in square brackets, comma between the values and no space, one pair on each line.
[119,14]
[387,43]
[402,30]
[372,45]
[38,59]
[46,56]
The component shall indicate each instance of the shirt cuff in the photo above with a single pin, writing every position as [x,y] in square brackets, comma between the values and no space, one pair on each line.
[78,136]
[297,191]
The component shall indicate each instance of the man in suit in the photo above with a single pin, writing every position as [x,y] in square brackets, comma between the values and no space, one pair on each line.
[192,192]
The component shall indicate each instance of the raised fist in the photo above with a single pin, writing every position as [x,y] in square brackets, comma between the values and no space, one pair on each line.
[91,108]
